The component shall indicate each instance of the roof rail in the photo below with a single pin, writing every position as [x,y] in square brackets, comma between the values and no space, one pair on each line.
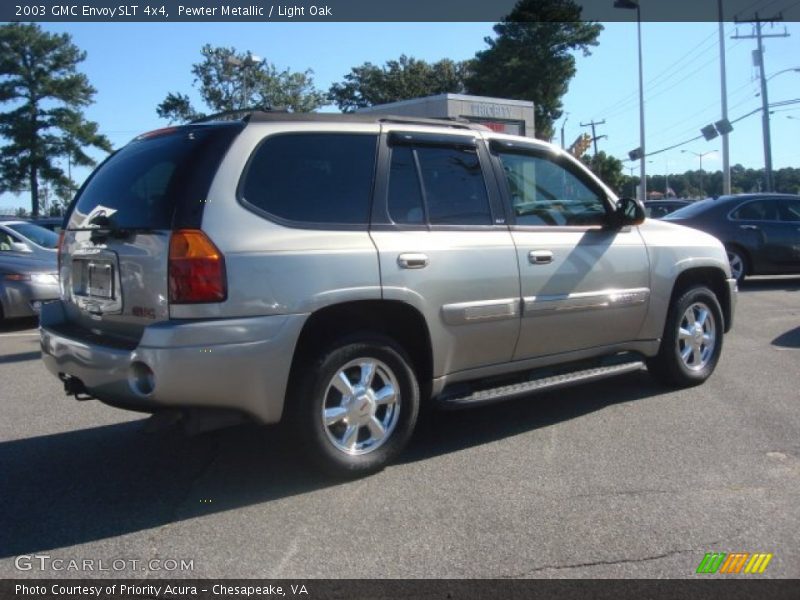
[454,122]
[247,112]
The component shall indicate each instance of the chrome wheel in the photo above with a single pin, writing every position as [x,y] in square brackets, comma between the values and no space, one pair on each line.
[697,336]
[361,406]
[737,264]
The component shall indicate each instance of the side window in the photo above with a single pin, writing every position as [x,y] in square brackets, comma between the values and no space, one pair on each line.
[455,191]
[447,189]
[543,192]
[5,242]
[757,210]
[323,178]
[405,196]
[789,210]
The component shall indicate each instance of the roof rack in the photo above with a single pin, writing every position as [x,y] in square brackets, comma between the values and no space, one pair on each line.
[454,122]
[247,112]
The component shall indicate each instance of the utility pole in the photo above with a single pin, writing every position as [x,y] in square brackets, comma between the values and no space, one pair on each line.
[593,124]
[764,99]
[726,156]
[563,124]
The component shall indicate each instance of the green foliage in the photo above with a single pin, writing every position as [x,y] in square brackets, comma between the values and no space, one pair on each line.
[691,185]
[530,59]
[401,79]
[20,212]
[607,168]
[229,80]
[45,95]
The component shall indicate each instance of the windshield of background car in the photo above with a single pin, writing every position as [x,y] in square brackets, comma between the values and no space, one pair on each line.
[692,210]
[38,235]
[146,182]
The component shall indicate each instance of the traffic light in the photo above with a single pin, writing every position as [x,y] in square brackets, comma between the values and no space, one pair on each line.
[580,145]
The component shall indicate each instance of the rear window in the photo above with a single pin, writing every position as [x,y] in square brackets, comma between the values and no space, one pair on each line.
[156,182]
[38,235]
[312,178]
[691,210]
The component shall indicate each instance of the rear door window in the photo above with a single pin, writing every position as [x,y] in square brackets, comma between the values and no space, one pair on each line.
[756,210]
[437,185]
[789,210]
[312,179]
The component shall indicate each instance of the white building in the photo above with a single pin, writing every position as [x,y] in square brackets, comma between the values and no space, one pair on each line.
[506,116]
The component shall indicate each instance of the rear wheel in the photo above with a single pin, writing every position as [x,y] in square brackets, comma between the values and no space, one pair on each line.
[355,406]
[692,340]
[738,262]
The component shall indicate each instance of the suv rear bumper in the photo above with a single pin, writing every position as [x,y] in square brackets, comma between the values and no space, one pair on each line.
[240,364]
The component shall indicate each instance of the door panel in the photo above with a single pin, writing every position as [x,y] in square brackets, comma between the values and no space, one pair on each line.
[468,292]
[594,292]
[441,249]
[583,284]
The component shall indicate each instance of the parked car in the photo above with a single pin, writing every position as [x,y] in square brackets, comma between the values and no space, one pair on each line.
[29,238]
[761,232]
[656,209]
[339,271]
[26,281]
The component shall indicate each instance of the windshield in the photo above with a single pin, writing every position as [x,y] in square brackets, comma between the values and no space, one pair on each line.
[38,235]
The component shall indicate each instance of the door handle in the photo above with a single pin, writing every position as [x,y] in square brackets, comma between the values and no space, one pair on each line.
[540,257]
[749,227]
[412,260]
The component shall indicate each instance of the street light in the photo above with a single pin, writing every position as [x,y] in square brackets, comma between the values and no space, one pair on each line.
[250,59]
[634,5]
[700,155]
[563,124]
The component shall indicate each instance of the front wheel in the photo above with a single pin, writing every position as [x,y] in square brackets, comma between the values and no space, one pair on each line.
[692,340]
[355,406]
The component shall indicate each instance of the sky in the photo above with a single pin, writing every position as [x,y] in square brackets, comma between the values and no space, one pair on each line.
[134,65]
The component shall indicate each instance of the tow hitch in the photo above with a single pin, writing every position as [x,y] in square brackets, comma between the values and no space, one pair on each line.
[74,387]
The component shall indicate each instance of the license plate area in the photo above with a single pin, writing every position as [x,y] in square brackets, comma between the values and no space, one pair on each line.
[93,278]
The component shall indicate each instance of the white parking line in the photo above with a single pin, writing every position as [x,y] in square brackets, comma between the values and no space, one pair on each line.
[19,334]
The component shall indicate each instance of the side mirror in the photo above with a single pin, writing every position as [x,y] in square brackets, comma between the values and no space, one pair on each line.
[20,247]
[630,211]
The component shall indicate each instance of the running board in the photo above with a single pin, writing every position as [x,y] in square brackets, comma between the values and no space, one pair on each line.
[507,392]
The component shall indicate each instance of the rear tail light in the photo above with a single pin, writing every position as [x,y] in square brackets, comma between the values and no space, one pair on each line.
[196,269]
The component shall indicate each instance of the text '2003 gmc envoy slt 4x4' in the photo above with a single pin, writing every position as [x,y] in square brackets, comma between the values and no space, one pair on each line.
[339,272]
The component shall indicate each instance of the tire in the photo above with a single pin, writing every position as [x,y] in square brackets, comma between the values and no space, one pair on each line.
[740,266]
[363,432]
[689,353]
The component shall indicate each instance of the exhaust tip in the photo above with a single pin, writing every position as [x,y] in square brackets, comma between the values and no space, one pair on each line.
[141,379]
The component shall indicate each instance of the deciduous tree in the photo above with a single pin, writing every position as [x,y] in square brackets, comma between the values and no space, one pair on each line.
[401,79]
[228,80]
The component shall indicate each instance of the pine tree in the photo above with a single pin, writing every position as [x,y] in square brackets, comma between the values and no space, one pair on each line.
[45,95]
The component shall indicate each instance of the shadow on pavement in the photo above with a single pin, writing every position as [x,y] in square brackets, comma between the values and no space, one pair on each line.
[78,486]
[790,339]
[20,357]
[12,325]
[782,283]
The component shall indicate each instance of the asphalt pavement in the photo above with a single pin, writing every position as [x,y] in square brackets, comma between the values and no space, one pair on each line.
[622,478]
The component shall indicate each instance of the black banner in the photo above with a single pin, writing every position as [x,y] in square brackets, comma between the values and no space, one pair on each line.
[357,589]
[372,10]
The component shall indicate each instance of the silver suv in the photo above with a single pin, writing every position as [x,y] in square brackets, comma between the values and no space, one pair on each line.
[339,272]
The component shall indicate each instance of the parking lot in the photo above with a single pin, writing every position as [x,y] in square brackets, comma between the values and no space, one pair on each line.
[621,478]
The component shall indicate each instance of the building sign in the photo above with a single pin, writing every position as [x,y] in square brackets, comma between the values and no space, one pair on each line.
[496,111]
